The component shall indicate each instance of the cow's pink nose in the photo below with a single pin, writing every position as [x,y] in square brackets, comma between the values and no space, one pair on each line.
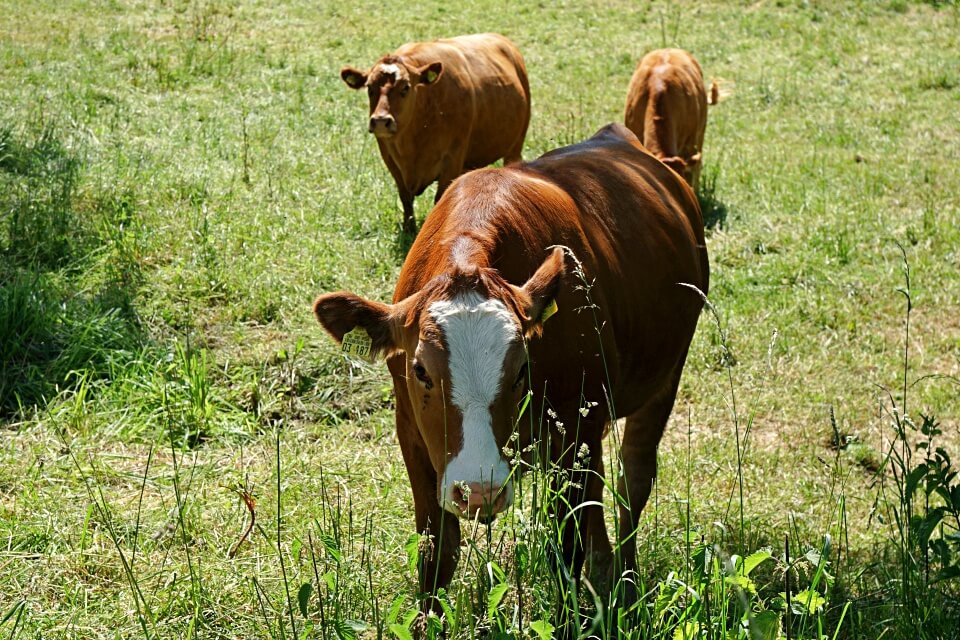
[477,497]
[381,123]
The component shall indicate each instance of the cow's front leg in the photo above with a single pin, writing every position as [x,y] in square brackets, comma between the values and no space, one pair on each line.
[440,547]
[451,170]
[578,483]
[405,192]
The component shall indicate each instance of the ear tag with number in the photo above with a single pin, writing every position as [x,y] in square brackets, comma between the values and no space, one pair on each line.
[357,342]
[548,311]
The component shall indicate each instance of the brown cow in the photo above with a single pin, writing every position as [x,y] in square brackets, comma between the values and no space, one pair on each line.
[467,320]
[441,108]
[667,109]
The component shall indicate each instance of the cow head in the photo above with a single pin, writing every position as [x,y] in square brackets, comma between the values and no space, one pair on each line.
[463,337]
[391,85]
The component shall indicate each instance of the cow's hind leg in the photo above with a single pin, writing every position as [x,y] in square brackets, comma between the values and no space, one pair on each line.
[638,457]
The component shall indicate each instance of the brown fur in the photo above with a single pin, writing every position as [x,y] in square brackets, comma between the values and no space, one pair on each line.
[667,109]
[472,109]
[634,232]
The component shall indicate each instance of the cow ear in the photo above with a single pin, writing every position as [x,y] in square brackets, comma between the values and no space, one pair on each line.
[540,292]
[676,163]
[430,73]
[354,78]
[343,312]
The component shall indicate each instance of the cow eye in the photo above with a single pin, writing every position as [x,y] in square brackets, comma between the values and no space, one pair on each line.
[521,377]
[404,91]
[421,372]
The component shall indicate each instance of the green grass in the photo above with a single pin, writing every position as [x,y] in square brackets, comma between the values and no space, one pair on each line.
[178,180]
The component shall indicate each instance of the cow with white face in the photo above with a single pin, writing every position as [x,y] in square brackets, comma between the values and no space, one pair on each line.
[461,342]
[474,327]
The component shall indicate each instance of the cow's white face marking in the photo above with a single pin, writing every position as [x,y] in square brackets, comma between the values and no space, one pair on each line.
[478,334]
[390,69]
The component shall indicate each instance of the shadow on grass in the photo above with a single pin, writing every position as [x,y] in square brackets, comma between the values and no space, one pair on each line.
[713,209]
[68,274]
[402,241]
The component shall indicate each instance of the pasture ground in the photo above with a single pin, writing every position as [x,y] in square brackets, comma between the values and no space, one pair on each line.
[179,179]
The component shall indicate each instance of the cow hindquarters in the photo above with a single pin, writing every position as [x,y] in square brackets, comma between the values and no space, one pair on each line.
[440,545]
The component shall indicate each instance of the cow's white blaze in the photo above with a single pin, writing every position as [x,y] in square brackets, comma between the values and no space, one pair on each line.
[390,69]
[478,333]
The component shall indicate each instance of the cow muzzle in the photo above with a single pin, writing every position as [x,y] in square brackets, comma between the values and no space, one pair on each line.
[383,125]
[480,500]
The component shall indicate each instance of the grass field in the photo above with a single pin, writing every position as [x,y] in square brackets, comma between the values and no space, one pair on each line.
[179,179]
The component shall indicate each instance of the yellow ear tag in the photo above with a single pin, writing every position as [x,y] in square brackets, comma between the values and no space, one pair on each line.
[357,342]
[548,311]
[431,76]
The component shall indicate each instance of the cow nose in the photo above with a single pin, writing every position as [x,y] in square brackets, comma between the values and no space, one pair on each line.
[382,123]
[479,497]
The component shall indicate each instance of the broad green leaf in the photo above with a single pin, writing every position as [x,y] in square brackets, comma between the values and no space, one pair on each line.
[394,611]
[303,597]
[434,626]
[521,556]
[295,547]
[445,605]
[330,579]
[702,556]
[493,600]
[765,626]
[401,632]
[742,582]
[344,630]
[358,626]
[755,559]
[924,526]
[412,547]
[813,557]
[807,601]
[913,479]
[496,573]
[542,628]
[686,631]
[331,546]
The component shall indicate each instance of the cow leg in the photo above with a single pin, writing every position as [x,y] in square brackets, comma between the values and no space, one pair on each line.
[638,455]
[599,552]
[452,169]
[577,523]
[441,549]
[515,154]
[409,221]
[406,193]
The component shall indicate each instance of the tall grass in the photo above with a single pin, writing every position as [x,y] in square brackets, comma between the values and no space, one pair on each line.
[58,316]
